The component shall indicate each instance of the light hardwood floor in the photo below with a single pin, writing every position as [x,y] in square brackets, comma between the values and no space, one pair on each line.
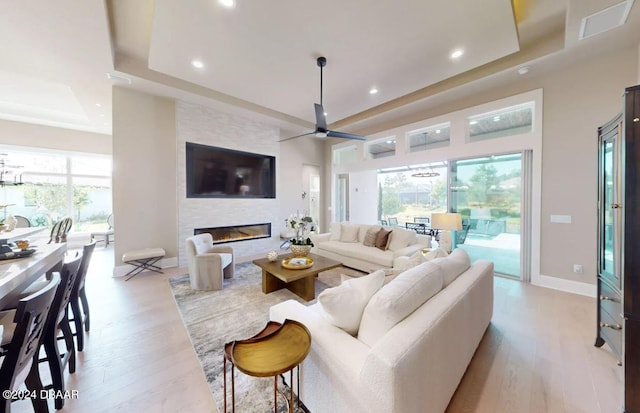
[537,355]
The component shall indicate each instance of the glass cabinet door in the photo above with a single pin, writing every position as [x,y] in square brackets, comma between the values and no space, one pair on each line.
[609,222]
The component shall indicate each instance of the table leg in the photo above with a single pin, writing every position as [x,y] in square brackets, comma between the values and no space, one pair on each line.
[275,394]
[224,377]
[304,287]
[233,389]
[270,283]
[291,409]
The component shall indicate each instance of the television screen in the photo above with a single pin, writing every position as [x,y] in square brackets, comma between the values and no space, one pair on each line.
[214,172]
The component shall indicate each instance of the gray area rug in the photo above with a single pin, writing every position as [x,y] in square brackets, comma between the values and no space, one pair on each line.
[238,311]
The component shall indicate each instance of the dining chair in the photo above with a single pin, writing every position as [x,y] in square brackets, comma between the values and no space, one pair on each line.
[58,321]
[25,334]
[81,317]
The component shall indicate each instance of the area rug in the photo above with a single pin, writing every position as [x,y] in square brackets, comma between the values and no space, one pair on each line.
[239,310]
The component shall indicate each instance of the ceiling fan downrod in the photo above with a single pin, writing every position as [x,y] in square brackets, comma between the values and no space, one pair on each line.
[322,62]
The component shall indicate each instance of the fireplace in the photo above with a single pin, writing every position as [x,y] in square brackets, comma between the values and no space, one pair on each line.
[236,233]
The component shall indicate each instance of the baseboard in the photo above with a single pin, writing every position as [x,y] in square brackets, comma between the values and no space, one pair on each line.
[569,286]
[122,270]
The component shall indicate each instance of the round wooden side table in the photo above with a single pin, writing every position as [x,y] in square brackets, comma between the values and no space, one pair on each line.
[277,349]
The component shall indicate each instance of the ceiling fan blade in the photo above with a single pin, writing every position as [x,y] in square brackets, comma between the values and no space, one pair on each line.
[297,136]
[336,134]
[321,121]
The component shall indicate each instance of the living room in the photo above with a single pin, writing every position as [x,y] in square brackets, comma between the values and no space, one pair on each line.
[573,94]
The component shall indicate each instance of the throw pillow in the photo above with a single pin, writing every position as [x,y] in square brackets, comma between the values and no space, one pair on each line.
[382,239]
[452,266]
[396,300]
[335,231]
[349,232]
[401,238]
[343,305]
[370,237]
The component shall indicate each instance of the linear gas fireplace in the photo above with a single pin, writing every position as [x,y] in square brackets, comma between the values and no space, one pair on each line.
[236,232]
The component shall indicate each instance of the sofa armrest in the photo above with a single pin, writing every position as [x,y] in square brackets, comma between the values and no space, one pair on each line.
[423,239]
[315,238]
[343,352]
[407,251]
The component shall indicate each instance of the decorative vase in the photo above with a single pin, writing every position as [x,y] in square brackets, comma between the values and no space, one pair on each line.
[10,223]
[272,255]
[300,250]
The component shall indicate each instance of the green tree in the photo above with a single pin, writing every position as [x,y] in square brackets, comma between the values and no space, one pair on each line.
[53,198]
[482,183]
[438,193]
[391,204]
[379,201]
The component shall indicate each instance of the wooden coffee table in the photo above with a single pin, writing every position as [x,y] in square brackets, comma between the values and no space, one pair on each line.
[300,282]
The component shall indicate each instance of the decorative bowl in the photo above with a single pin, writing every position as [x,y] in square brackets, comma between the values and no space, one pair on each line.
[22,244]
[300,250]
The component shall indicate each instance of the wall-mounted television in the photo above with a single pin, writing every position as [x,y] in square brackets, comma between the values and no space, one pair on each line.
[214,172]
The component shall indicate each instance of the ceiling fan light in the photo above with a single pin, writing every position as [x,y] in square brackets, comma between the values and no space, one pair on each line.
[320,134]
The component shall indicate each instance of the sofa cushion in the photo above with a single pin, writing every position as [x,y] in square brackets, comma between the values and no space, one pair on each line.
[370,235]
[343,305]
[452,266]
[382,239]
[335,231]
[349,232]
[359,252]
[401,238]
[396,300]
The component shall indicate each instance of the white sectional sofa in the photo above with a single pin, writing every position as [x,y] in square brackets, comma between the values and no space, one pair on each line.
[397,363]
[345,243]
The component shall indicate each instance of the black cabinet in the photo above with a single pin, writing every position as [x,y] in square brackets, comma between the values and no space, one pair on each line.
[619,242]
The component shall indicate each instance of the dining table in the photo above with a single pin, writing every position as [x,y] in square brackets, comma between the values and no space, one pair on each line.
[18,273]
[18,233]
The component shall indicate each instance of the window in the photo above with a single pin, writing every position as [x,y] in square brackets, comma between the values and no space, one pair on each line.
[432,137]
[381,148]
[514,120]
[412,193]
[345,154]
[55,185]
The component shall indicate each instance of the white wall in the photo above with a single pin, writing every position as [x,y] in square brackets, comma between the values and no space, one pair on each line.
[144,174]
[363,197]
[577,99]
[199,124]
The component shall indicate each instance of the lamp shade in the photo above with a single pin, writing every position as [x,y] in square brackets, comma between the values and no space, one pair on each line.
[446,221]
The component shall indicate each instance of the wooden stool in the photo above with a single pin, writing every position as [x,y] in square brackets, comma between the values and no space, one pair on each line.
[278,348]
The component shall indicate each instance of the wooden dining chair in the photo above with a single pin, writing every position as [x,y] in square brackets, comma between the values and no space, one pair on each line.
[81,317]
[58,321]
[21,355]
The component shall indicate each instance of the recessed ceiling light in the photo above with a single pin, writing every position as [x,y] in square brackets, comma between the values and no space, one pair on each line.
[437,130]
[456,53]
[325,113]
[98,105]
[496,118]
[523,70]
[198,64]
[473,122]
[228,3]
[373,90]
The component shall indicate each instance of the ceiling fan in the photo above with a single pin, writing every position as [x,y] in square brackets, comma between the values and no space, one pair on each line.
[321,130]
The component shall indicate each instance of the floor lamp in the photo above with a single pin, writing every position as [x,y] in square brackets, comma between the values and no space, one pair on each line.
[445,223]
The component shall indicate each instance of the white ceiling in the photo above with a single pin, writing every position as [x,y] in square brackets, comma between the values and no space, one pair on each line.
[260,57]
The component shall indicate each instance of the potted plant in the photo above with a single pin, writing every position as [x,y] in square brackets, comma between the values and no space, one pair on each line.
[302,225]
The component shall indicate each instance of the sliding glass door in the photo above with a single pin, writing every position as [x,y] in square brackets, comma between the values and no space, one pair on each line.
[488,192]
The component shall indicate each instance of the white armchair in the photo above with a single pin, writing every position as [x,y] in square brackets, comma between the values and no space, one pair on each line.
[208,264]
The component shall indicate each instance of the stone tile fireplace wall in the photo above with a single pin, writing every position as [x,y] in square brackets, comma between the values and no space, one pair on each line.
[200,124]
